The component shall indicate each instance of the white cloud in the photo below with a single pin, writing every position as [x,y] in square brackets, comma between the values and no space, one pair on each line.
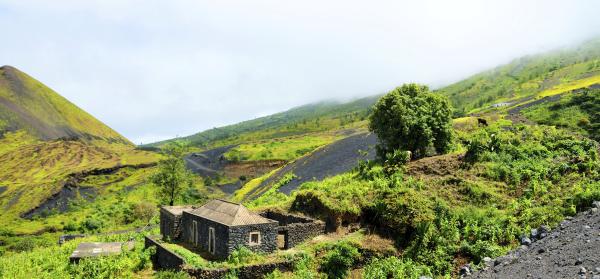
[156,69]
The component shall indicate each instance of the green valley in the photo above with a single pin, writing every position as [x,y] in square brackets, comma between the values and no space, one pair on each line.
[521,154]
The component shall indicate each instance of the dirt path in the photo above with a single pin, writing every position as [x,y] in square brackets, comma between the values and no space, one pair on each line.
[572,250]
[212,163]
[208,163]
[197,167]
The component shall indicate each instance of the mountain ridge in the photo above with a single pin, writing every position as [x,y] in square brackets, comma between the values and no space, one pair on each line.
[27,104]
[526,77]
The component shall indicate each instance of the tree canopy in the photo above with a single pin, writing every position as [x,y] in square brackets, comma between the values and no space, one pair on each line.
[411,118]
[172,177]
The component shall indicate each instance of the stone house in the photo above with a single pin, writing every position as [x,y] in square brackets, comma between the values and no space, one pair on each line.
[170,218]
[219,227]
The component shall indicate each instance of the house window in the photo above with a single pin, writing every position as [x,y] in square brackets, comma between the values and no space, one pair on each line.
[254,238]
[211,240]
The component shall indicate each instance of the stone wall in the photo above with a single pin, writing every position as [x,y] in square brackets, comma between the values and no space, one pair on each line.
[285,219]
[166,259]
[240,236]
[245,272]
[169,225]
[296,228]
[201,241]
[163,258]
[299,232]
[68,237]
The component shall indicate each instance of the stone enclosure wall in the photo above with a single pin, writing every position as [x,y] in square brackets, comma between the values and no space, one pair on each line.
[163,258]
[245,272]
[296,229]
[166,259]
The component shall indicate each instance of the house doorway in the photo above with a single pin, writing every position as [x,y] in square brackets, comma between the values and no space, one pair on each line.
[282,238]
[195,233]
[211,240]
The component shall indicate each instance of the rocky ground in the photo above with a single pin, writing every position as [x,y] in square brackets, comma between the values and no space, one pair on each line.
[333,159]
[571,250]
[208,163]
[212,163]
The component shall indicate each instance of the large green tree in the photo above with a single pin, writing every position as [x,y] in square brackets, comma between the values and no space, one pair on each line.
[411,118]
[172,177]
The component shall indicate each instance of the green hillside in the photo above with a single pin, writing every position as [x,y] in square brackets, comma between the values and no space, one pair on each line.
[27,104]
[579,112]
[534,163]
[527,77]
[318,117]
[44,141]
[523,79]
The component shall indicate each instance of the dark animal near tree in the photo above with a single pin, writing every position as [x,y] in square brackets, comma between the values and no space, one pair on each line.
[482,122]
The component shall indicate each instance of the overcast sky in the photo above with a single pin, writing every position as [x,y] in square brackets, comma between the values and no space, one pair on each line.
[157,69]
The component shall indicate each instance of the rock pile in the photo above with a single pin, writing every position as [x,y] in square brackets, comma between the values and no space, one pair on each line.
[571,250]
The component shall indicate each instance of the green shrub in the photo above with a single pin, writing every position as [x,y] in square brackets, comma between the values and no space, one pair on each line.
[435,242]
[339,259]
[24,245]
[170,274]
[304,266]
[395,160]
[395,268]
[481,249]
[242,255]
[71,227]
[144,211]
[403,209]
[92,224]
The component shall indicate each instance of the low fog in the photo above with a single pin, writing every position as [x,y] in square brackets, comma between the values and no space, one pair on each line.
[154,70]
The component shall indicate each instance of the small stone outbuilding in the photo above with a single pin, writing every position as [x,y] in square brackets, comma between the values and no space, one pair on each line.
[220,227]
[170,218]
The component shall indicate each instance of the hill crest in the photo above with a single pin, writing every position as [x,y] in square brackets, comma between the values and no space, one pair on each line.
[27,104]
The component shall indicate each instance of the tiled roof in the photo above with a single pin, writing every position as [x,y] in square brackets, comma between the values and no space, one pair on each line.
[229,213]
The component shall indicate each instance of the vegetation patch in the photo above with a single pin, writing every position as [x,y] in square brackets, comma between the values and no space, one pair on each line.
[578,112]
[278,149]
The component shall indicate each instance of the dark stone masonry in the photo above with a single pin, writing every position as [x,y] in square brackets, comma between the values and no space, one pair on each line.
[268,238]
[166,259]
[163,258]
[220,227]
[245,272]
[170,218]
[295,229]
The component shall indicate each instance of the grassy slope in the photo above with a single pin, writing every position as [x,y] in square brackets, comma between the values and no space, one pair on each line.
[495,194]
[579,113]
[287,148]
[35,155]
[311,118]
[530,76]
[27,104]
[444,213]
[525,78]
